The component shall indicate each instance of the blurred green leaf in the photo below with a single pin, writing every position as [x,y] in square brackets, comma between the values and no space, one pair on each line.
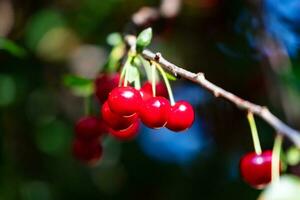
[114,39]
[293,156]
[114,58]
[7,90]
[36,190]
[52,137]
[80,86]
[143,39]
[11,47]
[40,24]
[287,188]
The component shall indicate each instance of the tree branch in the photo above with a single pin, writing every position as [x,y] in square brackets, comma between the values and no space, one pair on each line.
[199,78]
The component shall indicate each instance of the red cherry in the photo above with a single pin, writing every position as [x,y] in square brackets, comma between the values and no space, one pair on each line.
[155,111]
[256,169]
[104,84]
[161,90]
[124,101]
[115,121]
[126,134]
[88,152]
[181,116]
[89,128]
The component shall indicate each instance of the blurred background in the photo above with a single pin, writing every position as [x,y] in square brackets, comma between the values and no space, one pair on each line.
[247,47]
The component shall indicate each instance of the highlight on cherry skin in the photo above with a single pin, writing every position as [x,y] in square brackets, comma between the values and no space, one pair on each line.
[155,112]
[181,116]
[256,170]
[124,101]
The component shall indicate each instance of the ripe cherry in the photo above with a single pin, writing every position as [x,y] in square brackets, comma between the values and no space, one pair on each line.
[88,152]
[89,128]
[256,169]
[104,84]
[124,101]
[126,134]
[155,111]
[181,116]
[115,121]
[146,90]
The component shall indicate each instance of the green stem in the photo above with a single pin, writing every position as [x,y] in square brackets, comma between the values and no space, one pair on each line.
[254,133]
[153,79]
[137,82]
[124,73]
[146,66]
[276,158]
[162,72]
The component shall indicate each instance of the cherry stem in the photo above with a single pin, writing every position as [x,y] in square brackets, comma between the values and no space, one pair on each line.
[167,83]
[137,82]
[276,158]
[86,101]
[124,73]
[145,65]
[153,79]
[254,133]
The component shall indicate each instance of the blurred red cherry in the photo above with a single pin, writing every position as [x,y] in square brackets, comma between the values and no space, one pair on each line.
[181,116]
[161,90]
[104,84]
[126,134]
[89,128]
[155,111]
[115,121]
[88,152]
[124,101]
[256,169]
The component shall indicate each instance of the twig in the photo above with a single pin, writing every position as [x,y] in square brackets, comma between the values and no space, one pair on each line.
[199,78]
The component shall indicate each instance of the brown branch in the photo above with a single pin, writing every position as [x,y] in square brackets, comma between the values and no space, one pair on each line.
[199,78]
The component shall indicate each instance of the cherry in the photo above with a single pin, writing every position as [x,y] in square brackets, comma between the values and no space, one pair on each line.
[124,101]
[88,152]
[256,169]
[126,134]
[181,116]
[161,90]
[155,111]
[104,84]
[89,128]
[115,121]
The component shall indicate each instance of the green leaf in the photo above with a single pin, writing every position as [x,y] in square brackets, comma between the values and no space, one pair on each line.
[80,86]
[11,47]
[114,39]
[132,74]
[143,39]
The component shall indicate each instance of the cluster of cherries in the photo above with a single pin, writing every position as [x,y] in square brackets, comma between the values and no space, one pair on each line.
[256,169]
[125,105]
[122,109]
[87,145]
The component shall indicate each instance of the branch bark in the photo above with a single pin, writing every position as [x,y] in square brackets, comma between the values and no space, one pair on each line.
[199,78]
